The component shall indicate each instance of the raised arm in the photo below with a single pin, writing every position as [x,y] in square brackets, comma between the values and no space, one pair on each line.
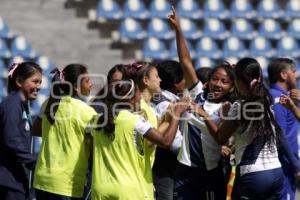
[183,52]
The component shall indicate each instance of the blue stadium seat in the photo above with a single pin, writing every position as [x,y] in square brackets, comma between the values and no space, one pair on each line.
[4,50]
[232,59]
[189,9]
[269,9]
[45,64]
[270,29]
[189,28]
[2,69]
[5,31]
[264,62]
[173,49]
[293,29]
[215,9]
[287,47]
[155,49]
[243,29]
[160,8]
[45,82]
[215,28]
[233,46]
[36,105]
[108,10]
[242,9]
[159,28]
[292,9]
[204,62]
[131,30]
[16,59]
[135,9]
[2,89]
[20,47]
[207,47]
[261,46]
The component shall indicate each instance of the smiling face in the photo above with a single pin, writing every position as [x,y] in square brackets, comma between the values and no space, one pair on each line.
[29,87]
[219,85]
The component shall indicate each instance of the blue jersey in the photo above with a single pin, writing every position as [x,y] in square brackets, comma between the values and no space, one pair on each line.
[285,118]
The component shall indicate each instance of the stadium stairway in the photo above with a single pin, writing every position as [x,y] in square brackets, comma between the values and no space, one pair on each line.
[58,33]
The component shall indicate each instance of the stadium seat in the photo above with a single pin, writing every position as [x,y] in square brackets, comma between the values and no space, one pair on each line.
[264,64]
[215,28]
[160,8]
[233,46]
[108,10]
[135,9]
[173,49]
[189,9]
[159,28]
[261,46]
[242,9]
[292,9]
[5,31]
[270,29]
[287,47]
[131,30]
[232,60]
[189,28]
[36,105]
[2,89]
[293,29]
[4,50]
[2,69]
[215,9]
[269,9]
[207,47]
[16,59]
[243,29]
[20,47]
[45,64]
[155,49]
[204,62]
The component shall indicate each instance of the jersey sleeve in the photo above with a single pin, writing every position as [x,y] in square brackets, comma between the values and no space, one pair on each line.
[142,126]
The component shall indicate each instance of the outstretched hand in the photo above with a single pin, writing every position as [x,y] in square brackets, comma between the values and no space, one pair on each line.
[174,20]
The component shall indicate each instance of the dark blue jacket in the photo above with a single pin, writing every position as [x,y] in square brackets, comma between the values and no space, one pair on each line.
[289,126]
[15,139]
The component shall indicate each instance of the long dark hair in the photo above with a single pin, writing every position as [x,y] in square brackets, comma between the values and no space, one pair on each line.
[232,95]
[249,72]
[109,79]
[21,71]
[118,97]
[63,83]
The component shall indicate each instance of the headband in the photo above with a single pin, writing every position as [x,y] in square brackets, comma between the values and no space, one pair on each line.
[254,82]
[13,68]
[60,73]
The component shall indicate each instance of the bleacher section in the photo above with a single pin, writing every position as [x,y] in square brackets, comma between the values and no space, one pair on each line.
[214,29]
[13,49]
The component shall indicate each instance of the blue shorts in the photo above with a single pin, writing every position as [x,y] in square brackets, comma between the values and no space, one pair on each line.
[263,185]
[196,183]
